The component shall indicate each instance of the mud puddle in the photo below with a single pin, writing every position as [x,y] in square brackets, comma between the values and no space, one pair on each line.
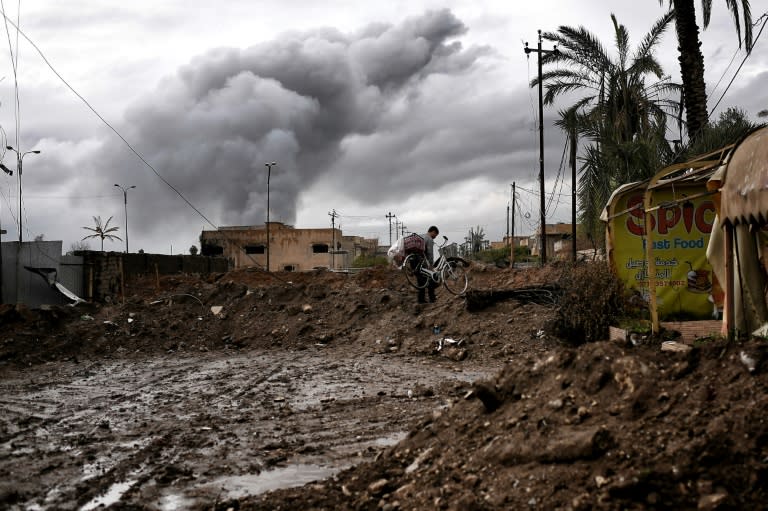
[185,432]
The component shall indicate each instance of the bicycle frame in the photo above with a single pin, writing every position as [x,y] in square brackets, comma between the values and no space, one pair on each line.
[448,271]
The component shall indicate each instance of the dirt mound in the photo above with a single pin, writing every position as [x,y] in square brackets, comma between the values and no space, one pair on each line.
[187,385]
[598,427]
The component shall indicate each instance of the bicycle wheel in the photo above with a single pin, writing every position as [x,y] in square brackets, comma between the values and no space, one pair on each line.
[412,269]
[455,278]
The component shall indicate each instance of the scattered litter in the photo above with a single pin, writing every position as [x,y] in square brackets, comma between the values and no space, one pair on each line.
[306,308]
[156,302]
[130,320]
[86,317]
[762,331]
[216,309]
[446,341]
[748,361]
[675,346]
[436,329]
[540,334]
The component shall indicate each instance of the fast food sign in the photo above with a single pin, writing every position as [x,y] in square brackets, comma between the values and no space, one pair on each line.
[685,285]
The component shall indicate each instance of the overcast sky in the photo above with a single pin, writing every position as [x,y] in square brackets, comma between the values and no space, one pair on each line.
[418,108]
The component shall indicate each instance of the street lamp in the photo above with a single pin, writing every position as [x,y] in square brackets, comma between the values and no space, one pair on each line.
[19,160]
[269,172]
[125,203]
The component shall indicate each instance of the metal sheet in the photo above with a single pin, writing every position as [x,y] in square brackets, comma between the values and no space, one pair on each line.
[744,194]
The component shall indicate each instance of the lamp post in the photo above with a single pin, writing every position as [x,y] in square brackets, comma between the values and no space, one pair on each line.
[125,203]
[19,160]
[269,173]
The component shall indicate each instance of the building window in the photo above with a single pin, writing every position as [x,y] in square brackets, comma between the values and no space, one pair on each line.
[319,248]
[211,250]
[289,267]
[254,249]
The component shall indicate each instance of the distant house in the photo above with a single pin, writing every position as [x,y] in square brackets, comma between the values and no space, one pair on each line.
[519,241]
[553,233]
[290,249]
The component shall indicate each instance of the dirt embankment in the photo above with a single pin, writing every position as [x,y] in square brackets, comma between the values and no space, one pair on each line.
[162,402]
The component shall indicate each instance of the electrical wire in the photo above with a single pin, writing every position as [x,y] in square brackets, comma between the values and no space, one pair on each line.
[754,43]
[106,123]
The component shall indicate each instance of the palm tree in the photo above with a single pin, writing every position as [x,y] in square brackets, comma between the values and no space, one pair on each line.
[102,231]
[691,58]
[623,112]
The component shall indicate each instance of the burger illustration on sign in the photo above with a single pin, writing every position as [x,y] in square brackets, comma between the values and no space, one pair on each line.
[698,280]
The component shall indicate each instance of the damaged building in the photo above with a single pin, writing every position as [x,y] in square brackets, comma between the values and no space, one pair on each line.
[287,249]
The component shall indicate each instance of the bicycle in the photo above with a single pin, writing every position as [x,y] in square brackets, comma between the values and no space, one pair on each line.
[448,271]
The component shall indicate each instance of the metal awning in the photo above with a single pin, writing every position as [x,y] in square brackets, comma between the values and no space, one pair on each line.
[744,192]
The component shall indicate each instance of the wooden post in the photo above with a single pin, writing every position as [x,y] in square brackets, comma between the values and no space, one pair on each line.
[730,320]
[157,277]
[122,280]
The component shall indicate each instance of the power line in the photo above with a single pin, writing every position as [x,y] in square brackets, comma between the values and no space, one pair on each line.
[754,43]
[92,109]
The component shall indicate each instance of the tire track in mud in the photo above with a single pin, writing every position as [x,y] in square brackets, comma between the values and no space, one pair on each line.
[179,432]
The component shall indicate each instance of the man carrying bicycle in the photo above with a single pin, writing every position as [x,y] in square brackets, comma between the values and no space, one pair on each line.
[430,286]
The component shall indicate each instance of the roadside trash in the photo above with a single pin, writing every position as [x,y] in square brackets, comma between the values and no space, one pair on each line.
[674,346]
[748,361]
[436,329]
[86,317]
[306,308]
[130,320]
[762,331]
[216,309]
[540,334]
[446,341]
[410,393]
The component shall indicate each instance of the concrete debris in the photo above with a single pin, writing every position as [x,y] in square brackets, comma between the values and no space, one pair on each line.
[675,346]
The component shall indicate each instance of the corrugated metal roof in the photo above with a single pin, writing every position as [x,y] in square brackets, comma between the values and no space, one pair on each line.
[744,193]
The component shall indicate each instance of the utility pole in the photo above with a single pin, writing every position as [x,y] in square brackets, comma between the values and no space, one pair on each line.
[573,193]
[507,218]
[403,227]
[390,216]
[543,219]
[269,173]
[125,204]
[333,216]
[512,233]
[397,227]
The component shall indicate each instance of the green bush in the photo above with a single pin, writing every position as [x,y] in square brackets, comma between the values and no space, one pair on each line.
[500,256]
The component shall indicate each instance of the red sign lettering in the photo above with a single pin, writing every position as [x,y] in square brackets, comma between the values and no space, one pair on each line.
[702,215]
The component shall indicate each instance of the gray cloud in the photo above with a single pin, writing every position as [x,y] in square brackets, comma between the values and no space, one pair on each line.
[295,100]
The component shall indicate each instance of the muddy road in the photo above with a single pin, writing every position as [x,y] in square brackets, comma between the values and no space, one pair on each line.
[180,432]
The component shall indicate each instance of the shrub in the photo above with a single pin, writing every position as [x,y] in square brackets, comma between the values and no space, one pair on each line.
[591,297]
